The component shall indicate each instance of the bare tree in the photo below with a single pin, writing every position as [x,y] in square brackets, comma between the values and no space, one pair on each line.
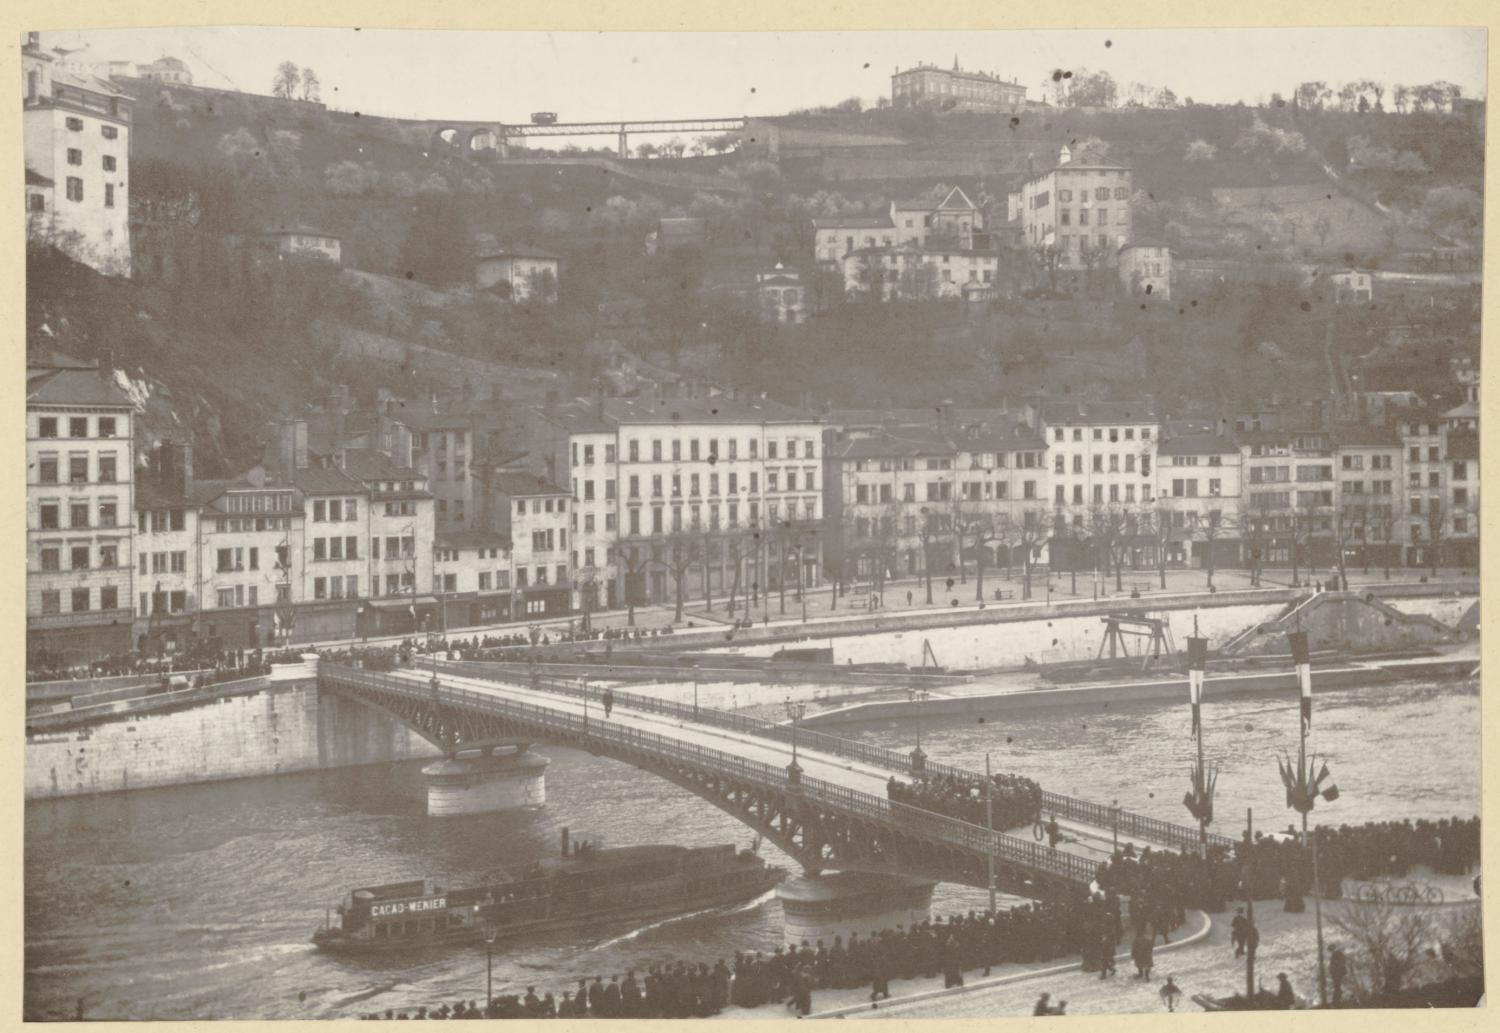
[633,565]
[1388,518]
[976,523]
[677,553]
[1159,522]
[311,87]
[284,85]
[1437,516]
[1389,942]
[1028,535]
[1209,531]
[1046,257]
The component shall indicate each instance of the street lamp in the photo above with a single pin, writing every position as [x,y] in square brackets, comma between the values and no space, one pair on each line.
[695,692]
[489,968]
[926,549]
[989,827]
[794,712]
[918,758]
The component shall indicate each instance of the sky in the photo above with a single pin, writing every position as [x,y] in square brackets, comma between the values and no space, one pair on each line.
[504,76]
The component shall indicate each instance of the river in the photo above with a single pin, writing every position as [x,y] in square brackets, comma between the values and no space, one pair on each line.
[198,901]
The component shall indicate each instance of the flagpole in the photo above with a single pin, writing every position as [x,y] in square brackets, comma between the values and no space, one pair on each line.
[1303,659]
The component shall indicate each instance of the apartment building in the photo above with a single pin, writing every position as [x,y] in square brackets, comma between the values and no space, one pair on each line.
[696,476]
[1369,470]
[534,515]
[250,539]
[76,130]
[402,528]
[471,578]
[165,544]
[1078,209]
[442,451]
[80,463]
[908,491]
[1145,268]
[1199,492]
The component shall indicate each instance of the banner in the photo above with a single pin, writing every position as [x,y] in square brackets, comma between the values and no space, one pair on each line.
[1298,641]
[1197,664]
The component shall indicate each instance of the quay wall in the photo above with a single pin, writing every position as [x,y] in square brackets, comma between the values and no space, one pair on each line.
[275,728]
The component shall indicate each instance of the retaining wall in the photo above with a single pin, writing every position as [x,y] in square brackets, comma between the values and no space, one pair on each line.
[272,729]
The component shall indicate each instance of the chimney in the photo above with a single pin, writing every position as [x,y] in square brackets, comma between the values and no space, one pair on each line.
[286,446]
[299,444]
[434,403]
[1065,155]
[599,403]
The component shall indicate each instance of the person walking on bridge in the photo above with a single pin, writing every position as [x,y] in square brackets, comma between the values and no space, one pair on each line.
[608,700]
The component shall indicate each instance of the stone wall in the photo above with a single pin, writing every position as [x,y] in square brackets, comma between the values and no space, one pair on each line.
[1349,623]
[281,728]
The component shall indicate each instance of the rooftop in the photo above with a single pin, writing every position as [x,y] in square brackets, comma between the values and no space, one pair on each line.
[516,251]
[585,416]
[519,483]
[366,464]
[418,416]
[325,480]
[1088,413]
[854,222]
[465,540]
[74,387]
[1198,445]
[954,200]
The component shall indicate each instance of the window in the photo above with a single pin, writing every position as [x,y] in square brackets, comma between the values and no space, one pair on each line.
[108,514]
[320,588]
[109,195]
[51,601]
[75,188]
[78,427]
[109,132]
[80,600]
[74,124]
[78,514]
[47,427]
[47,470]
[75,156]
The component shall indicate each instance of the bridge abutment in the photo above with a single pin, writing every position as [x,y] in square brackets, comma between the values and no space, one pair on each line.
[820,907]
[486,781]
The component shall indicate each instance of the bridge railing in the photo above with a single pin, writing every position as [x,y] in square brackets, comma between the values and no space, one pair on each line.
[1129,823]
[1156,830]
[1005,848]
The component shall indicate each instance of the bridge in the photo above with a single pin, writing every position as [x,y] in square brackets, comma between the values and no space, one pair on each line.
[828,810]
[497,136]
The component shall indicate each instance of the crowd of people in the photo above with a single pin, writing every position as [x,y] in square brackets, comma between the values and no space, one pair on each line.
[202,666]
[1092,925]
[1271,867]
[1014,800]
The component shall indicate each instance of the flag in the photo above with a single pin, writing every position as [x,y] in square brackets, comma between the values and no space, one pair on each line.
[1197,663]
[1298,641]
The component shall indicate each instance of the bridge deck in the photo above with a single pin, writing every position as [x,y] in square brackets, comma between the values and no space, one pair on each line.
[866,776]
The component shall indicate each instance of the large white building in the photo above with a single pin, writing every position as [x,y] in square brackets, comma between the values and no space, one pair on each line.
[954,222]
[1079,210]
[724,493]
[80,466]
[76,129]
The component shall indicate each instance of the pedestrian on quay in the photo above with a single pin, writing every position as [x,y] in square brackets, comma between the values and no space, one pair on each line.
[1252,941]
[1237,931]
[1285,996]
[1338,971]
[908,597]
[1170,992]
[1054,832]
[1042,1005]
[609,702]
[1142,949]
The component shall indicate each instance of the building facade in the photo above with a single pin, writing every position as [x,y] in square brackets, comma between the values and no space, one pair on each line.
[79,509]
[305,240]
[1078,210]
[76,131]
[519,274]
[1146,269]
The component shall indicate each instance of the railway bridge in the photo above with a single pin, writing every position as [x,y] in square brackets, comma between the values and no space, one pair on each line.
[819,798]
[498,136]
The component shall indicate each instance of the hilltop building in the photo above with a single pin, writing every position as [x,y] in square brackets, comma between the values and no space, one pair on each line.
[954,90]
[77,145]
[781,296]
[954,221]
[1352,287]
[1146,269]
[518,273]
[304,240]
[1079,210]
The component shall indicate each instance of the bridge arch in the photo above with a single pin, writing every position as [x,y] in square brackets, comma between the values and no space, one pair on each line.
[821,826]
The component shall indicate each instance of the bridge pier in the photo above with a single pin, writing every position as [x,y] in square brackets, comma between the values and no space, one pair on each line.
[624,145]
[820,907]
[484,781]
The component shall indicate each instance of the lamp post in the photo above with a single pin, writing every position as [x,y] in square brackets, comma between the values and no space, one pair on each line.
[695,692]
[926,548]
[794,712]
[989,827]
[1115,823]
[918,758]
[489,969]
